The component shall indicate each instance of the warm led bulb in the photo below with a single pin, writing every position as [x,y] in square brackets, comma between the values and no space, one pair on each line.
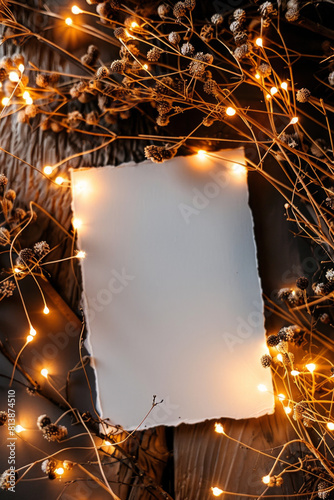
[30,338]
[29,101]
[45,372]
[239,169]
[219,428]
[81,254]
[287,409]
[294,373]
[76,223]
[294,120]
[273,90]
[216,491]
[262,388]
[280,357]
[32,331]
[134,25]
[268,96]
[59,180]
[68,21]
[21,68]
[17,270]
[145,66]
[201,153]
[59,471]
[310,367]
[330,426]
[284,85]
[76,10]
[266,479]
[19,428]
[5,101]
[107,443]
[13,76]
[281,397]
[230,111]
[257,76]
[47,170]
[46,310]
[25,95]
[259,42]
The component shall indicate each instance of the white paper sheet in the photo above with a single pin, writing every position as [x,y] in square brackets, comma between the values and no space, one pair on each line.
[171,289]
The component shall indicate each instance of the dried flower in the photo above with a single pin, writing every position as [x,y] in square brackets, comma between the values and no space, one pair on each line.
[292,14]
[74,119]
[324,489]
[159,154]
[3,74]
[53,432]
[207,33]
[284,293]
[162,120]
[41,248]
[318,288]
[121,34]
[102,72]
[325,318]
[88,59]
[266,360]
[3,180]
[190,4]
[25,256]
[300,410]
[211,87]
[92,118]
[56,126]
[240,37]
[6,62]
[20,214]
[31,110]
[174,38]
[104,10]
[319,147]
[282,346]
[197,68]
[163,10]
[187,49]
[302,283]
[264,70]
[42,80]
[208,121]
[154,54]
[3,417]
[331,78]
[286,333]
[18,59]
[288,358]
[266,9]
[330,274]
[239,15]
[179,10]
[43,421]
[217,19]
[8,479]
[272,340]
[4,236]
[329,287]
[296,298]
[7,288]
[49,465]
[118,66]
[303,95]
[243,51]
[164,107]
[236,26]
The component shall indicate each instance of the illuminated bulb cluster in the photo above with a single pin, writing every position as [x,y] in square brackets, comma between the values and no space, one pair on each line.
[230,111]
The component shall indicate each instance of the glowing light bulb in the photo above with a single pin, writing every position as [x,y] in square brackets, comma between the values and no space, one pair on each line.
[46,310]
[201,153]
[284,85]
[13,76]
[17,270]
[30,338]
[268,96]
[273,90]
[257,76]
[239,169]
[107,443]
[81,254]
[230,111]
[59,471]
[47,170]
[134,25]
[294,373]
[32,331]
[45,372]
[310,367]
[280,357]
[21,68]
[29,100]
[5,101]
[59,180]
[259,42]
[287,409]
[69,21]
[76,10]
[219,428]
[216,491]
[262,388]
[19,428]
[294,120]
[281,397]
[330,426]
[145,66]
[76,223]
[25,95]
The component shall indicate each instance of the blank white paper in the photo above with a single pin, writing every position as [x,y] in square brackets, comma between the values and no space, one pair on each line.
[171,290]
